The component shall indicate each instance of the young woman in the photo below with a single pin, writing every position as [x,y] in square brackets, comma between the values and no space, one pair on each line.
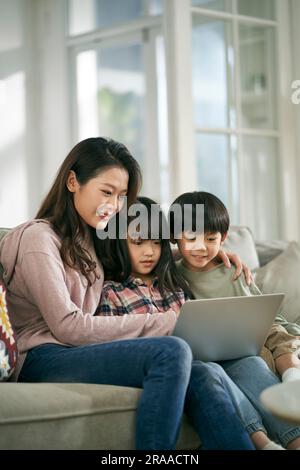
[54,277]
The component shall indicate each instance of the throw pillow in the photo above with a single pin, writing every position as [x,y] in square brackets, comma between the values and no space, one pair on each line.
[268,250]
[240,241]
[282,274]
[8,347]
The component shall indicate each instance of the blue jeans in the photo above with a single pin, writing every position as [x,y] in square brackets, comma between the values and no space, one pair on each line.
[252,376]
[170,380]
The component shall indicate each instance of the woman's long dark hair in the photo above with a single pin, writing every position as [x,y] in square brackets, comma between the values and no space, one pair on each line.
[87,159]
[114,253]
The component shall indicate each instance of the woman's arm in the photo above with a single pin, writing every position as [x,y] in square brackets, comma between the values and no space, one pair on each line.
[226,257]
[113,304]
[45,285]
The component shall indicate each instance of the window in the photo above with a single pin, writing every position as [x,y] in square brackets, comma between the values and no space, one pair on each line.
[221,5]
[89,15]
[111,94]
[264,9]
[119,88]
[258,76]
[134,80]
[14,187]
[235,109]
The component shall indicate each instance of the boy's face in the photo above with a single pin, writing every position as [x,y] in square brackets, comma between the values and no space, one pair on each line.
[198,251]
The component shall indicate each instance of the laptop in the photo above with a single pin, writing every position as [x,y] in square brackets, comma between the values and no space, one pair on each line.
[227,328]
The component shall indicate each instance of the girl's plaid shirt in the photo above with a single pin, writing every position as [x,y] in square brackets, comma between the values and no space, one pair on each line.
[134,296]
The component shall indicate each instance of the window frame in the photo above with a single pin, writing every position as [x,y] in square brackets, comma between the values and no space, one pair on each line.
[181,129]
[287,227]
[143,30]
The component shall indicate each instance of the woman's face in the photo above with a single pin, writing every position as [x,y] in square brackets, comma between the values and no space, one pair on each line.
[101,197]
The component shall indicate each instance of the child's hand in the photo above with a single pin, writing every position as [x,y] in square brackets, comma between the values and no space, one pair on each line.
[287,361]
[240,266]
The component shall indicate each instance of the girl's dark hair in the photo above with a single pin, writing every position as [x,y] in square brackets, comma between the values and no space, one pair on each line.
[216,217]
[115,257]
[87,159]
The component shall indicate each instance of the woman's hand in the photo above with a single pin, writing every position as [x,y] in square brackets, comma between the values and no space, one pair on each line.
[226,257]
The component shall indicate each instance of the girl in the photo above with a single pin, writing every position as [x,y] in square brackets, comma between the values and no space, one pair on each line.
[144,280]
[53,274]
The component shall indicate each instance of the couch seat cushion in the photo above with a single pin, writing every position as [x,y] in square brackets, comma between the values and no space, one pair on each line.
[72,416]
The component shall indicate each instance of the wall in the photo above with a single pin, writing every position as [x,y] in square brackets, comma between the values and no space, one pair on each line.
[295,41]
[34,118]
[19,165]
[51,66]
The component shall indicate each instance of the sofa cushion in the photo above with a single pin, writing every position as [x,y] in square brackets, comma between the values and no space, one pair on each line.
[73,416]
[8,347]
[268,250]
[240,241]
[282,274]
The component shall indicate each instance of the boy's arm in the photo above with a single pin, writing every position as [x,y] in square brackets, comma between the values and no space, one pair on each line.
[292,328]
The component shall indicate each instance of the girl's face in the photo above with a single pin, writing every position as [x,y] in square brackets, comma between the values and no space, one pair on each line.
[101,197]
[144,255]
[198,251]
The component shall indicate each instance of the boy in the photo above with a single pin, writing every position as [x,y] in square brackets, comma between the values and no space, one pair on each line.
[208,278]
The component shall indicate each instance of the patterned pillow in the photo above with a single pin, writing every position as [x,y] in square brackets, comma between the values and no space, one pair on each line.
[8,346]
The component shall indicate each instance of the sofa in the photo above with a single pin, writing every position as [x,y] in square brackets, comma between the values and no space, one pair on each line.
[88,416]
[44,416]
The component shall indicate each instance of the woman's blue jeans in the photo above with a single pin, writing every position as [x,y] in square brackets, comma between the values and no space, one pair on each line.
[170,379]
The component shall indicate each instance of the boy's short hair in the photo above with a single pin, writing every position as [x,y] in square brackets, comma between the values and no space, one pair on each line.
[216,217]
